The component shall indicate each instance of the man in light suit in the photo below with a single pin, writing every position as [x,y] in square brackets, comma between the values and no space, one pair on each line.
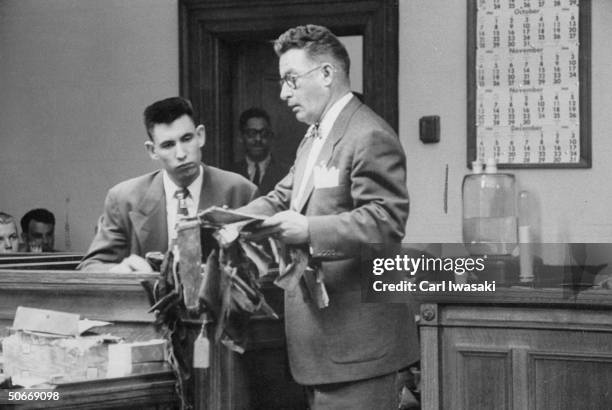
[346,190]
[140,214]
[258,165]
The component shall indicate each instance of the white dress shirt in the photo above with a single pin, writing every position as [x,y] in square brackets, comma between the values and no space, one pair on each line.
[325,126]
[192,200]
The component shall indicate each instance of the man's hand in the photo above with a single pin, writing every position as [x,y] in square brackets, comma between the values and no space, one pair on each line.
[289,227]
[132,263]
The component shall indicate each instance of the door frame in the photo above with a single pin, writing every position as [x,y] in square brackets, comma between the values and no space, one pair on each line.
[207,29]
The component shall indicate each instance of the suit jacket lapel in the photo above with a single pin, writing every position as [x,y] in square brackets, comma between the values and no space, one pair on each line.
[208,198]
[149,220]
[244,169]
[269,175]
[300,165]
[327,150]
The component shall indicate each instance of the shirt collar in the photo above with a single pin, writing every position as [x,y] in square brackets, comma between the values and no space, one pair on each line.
[263,163]
[194,188]
[327,122]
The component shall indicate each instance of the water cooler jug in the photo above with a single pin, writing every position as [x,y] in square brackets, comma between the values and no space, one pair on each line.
[489,213]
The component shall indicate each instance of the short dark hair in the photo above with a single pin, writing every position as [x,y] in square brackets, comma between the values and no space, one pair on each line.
[317,41]
[38,214]
[166,111]
[253,112]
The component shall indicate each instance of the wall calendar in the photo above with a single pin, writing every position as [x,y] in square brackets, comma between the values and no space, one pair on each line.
[529,82]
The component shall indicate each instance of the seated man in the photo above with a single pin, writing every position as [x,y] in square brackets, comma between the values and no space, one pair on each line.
[37,230]
[258,165]
[9,239]
[140,214]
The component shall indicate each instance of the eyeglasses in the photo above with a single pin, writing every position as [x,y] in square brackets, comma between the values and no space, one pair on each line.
[290,79]
[252,133]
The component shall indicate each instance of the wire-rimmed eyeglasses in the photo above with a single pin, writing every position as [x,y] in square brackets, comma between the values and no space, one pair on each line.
[291,79]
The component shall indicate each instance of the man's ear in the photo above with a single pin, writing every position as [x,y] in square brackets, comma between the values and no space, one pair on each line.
[201,135]
[150,147]
[328,73]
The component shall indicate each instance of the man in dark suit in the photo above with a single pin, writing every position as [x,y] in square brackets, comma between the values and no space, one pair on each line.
[258,165]
[346,190]
[38,230]
[140,214]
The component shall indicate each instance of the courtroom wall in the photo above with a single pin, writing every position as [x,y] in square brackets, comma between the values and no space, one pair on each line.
[76,74]
[573,205]
[75,78]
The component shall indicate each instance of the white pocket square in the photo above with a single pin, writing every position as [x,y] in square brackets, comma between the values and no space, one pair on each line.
[324,177]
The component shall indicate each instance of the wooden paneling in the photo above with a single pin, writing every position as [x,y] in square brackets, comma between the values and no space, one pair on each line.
[485,379]
[565,381]
[537,350]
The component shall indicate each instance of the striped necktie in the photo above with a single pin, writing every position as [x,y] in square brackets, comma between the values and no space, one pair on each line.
[314,131]
[181,195]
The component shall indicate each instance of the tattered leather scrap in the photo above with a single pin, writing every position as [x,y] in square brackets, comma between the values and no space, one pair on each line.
[231,293]
[292,267]
[297,269]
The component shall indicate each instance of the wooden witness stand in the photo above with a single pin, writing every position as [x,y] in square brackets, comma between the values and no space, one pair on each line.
[103,296]
[257,379]
[30,261]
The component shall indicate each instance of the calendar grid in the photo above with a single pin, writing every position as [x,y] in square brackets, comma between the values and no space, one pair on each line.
[527,89]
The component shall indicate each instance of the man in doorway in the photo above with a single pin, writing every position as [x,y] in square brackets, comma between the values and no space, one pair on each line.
[38,230]
[140,214]
[345,191]
[258,165]
[9,238]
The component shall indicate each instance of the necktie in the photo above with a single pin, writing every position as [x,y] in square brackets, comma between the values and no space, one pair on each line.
[182,195]
[314,131]
[257,175]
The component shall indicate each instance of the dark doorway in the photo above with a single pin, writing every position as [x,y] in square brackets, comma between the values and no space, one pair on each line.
[221,43]
[255,84]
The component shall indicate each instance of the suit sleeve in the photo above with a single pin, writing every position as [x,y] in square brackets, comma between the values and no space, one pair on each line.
[110,244]
[379,196]
[246,192]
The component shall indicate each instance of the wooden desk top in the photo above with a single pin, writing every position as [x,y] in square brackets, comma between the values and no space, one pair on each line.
[26,257]
[145,391]
[116,298]
[518,295]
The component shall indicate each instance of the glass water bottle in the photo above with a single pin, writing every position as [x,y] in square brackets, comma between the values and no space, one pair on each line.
[489,212]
